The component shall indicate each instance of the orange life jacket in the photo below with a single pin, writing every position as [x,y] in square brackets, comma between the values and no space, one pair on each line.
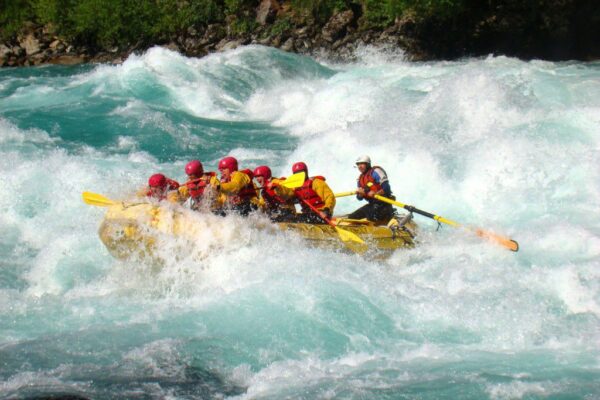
[246,193]
[196,187]
[307,193]
[367,182]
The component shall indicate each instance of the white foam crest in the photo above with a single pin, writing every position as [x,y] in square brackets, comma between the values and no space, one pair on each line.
[214,86]
[10,134]
[519,389]
[40,200]
[457,139]
[289,374]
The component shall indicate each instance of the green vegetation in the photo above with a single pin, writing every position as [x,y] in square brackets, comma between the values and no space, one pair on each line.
[106,23]
[103,23]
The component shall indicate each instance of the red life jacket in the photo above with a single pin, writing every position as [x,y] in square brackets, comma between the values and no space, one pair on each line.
[196,187]
[367,182]
[307,193]
[272,199]
[171,185]
[246,193]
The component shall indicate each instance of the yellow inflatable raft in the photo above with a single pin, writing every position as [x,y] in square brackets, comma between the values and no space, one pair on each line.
[132,230]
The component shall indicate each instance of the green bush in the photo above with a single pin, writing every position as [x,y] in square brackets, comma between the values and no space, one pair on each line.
[13,14]
[321,10]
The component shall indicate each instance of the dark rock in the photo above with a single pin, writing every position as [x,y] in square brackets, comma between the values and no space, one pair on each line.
[337,25]
[30,44]
[173,47]
[301,33]
[214,33]
[5,51]
[288,45]
[68,60]
[226,44]
[191,31]
[276,42]
[267,11]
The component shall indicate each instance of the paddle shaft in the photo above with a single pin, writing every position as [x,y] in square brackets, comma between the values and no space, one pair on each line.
[321,214]
[405,206]
[417,211]
[501,240]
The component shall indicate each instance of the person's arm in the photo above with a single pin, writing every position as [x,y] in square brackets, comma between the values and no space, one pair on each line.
[326,194]
[184,192]
[282,191]
[360,192]
[174,197]
[142,192]
[237,182]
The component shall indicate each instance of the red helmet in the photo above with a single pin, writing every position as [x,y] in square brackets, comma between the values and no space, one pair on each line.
[228,163]
[263,171]
[299,167]
[157,180]
[194,167]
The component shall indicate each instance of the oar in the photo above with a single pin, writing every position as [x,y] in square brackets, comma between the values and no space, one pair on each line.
[95,199]
[344,194]
[349,238]
[294,181]
[501,240]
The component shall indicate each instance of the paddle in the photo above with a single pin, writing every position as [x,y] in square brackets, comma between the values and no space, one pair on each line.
[294,181]
[349,238]
[499,239]
[344,194]
[95,199]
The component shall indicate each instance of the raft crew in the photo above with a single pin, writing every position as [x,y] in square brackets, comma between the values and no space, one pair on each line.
[238,192]
[277,207]
[198,186]
[161,188]
[372,181]
[235,191]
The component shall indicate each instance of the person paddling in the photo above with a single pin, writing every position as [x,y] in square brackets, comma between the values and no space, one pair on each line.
[314,191]
[161,188]
[236,187]
[197,188]
[373,181]
[278,208]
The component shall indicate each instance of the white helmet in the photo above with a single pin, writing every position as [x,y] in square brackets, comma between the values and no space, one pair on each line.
[363,159]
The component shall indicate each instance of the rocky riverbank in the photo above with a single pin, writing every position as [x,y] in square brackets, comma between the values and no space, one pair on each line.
[474,32]
[337,39]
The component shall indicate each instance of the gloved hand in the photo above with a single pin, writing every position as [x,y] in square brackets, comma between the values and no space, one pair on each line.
[271,185]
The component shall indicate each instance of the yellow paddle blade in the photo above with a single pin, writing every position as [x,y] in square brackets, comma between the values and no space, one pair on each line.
[294,181]
[95,199]
[352,240]
[348,236]
[344,194]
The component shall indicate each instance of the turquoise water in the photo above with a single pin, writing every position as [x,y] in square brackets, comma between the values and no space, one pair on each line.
[507,145]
